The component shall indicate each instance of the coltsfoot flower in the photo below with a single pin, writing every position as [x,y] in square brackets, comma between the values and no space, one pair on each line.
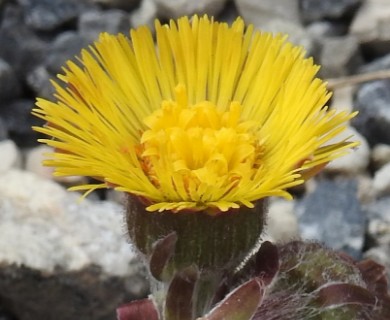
[201,116]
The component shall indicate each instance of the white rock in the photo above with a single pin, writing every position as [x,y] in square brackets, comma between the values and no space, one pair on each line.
[178,8]
[356,160]
[34,159]
[282,224]
[262,12]
[381,182]
[34,163]
[145,14]
[42,226]
[380,155]
[10,156]
[371,20]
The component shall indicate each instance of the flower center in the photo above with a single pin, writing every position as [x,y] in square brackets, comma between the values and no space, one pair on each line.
[199,145]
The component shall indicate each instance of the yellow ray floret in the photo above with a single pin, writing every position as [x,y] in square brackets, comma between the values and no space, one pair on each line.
[203,116]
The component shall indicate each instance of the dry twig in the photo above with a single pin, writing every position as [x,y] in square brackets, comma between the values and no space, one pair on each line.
[358,78]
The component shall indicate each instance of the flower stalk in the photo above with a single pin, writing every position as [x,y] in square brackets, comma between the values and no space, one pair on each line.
[212,244]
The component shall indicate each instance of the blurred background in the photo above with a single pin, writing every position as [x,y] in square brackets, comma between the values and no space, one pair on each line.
[65,259]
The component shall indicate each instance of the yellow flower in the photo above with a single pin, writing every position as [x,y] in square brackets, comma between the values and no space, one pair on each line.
[204,116]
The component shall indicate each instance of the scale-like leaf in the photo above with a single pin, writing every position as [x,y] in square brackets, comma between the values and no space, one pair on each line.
[137,310]
[241,304]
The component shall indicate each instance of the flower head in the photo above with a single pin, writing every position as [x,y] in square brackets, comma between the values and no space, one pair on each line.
[204,115]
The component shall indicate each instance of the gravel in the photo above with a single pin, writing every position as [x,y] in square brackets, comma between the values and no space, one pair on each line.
[49,240]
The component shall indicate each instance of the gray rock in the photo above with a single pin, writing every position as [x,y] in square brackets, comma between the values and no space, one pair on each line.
[263,12]
[177,8]
[312,10]
[48,15]
[65,47]
[145,14]
[9,84]
[18,119]
[332,214]
[296,34]
[20,46]
[340,56]
[371,25]
[61,258]
[92,23]
[38,80]
[373,121]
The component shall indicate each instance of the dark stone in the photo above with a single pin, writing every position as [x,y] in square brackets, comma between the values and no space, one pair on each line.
[18,119]
[3,130]
[4,315]
[372,102]
[48,15]
[340,56]
[376,48]
[9,84]
[376,65]
[92,23]
[20,47]
[312,10]
[85,294]
[66,46]
[333,215]
[321,29]
[119,4]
